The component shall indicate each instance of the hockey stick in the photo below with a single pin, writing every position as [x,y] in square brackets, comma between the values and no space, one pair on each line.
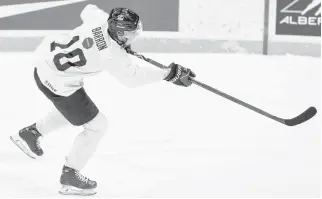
[303,117]
[306,115]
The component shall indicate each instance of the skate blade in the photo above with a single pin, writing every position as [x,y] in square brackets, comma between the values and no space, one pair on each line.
[19,142]
[69,190]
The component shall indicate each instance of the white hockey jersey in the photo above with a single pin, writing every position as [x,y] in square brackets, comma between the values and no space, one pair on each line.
[63,61]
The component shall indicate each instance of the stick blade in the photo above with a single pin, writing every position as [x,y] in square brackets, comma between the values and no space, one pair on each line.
[303,117]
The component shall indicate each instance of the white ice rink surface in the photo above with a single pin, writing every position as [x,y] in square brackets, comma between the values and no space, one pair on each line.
[166,141]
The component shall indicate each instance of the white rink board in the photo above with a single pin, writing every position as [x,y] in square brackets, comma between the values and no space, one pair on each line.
[242,20]
[223,18]
[152,151]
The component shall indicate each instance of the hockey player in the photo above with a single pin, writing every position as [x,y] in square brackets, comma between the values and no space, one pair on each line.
[63,61]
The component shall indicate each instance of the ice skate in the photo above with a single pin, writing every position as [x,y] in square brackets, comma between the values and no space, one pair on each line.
[73,183]
[28,141]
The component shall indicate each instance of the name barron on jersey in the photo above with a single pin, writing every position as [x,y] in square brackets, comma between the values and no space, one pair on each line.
[64,60]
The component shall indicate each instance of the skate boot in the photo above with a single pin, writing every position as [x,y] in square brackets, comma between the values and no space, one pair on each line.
[73,183]
[28,141]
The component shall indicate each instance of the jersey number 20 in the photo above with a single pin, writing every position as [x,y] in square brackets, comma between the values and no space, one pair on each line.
[77,52]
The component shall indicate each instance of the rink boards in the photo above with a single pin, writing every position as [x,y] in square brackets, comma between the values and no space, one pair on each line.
[211,28]
[174,42]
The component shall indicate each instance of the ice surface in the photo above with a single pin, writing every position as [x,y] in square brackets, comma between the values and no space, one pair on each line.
[166,141]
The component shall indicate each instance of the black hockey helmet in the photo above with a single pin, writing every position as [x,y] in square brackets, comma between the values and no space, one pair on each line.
[124,25]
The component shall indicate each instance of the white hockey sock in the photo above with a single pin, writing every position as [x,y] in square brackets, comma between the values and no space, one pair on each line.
[86,142]
[51,122]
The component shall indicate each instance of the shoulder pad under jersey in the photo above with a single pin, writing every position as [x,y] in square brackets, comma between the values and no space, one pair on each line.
[92,13]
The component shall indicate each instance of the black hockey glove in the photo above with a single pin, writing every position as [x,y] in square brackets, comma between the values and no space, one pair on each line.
[180,75]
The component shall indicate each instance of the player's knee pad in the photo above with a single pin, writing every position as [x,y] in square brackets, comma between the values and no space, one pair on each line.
[98,125]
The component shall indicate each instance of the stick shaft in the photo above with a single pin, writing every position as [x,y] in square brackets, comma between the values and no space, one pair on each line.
[231,98]
[202,85]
